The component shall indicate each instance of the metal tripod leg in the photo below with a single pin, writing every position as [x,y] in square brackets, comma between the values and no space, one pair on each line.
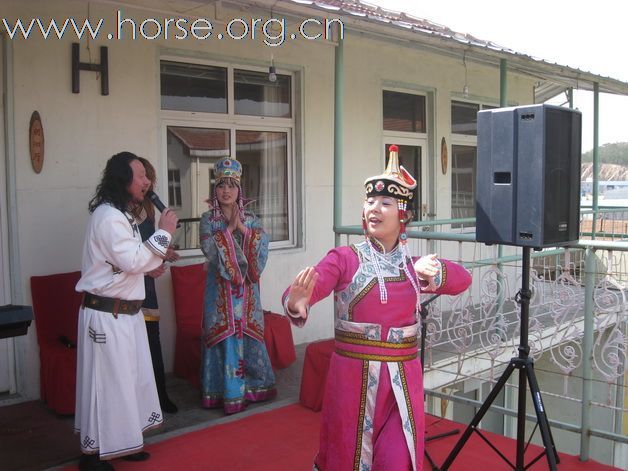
[478,416]
[526,372]
[546,431]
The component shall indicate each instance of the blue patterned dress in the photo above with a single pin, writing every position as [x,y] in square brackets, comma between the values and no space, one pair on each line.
[236,368]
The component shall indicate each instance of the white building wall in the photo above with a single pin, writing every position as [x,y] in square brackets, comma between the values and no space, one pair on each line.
[83,130]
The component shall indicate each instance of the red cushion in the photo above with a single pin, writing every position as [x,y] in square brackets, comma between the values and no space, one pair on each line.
[55,306]
[278,339]
[314,377]
[188,284]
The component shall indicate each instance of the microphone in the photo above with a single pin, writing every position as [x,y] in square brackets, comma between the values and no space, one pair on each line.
[152,196]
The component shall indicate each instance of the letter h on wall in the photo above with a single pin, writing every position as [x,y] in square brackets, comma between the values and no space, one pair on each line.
[103,68]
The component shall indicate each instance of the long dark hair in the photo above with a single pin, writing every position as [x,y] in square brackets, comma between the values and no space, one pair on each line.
[116,178]
[151,174]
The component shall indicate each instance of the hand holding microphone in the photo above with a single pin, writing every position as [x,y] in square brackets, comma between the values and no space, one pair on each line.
[168,220]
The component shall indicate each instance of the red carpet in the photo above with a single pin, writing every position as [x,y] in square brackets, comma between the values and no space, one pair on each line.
[286,439]
[481,456]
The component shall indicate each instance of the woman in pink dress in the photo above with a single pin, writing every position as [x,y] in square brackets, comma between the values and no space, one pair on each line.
[372,416]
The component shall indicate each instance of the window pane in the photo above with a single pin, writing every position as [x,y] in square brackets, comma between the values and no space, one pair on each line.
[192,87]
[264,158]
[404,112]
[410,158]
[256,95]
[463,181]
[191,155]
[464,118]
[174,188]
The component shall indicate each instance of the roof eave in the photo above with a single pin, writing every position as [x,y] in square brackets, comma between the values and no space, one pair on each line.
[484,52]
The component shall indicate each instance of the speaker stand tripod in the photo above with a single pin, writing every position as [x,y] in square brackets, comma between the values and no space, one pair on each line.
[525,365]
[429,438]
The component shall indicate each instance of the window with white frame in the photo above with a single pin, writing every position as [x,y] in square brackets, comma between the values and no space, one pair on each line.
[463,159]
[404,125]
[174,187]
[464,130]
[214,110]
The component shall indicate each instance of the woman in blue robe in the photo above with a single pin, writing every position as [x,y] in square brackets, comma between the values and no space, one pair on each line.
[235,368]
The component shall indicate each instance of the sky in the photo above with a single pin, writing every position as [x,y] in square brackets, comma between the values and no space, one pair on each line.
[576,33]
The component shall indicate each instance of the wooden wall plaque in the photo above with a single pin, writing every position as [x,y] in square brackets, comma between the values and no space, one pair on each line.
[36,142]
[443,156]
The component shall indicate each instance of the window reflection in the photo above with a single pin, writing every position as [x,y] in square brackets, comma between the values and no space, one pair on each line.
[264,158]
[463,161]
[191,156]
[404,112]
[192,87]
[464,118]
[255,95]
[192,153]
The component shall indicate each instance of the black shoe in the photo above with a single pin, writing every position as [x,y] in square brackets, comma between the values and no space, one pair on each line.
[94,463]
[168,406]
[139,456]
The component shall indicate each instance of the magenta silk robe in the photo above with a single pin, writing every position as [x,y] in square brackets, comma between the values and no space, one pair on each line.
[372,417]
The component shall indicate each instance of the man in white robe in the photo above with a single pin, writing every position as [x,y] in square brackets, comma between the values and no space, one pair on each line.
[116,396]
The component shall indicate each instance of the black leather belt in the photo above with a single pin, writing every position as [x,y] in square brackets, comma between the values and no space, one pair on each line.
[113,305]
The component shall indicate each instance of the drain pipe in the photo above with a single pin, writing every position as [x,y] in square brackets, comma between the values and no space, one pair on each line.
[587,354]
[596,153]
[338,135]
[503,102]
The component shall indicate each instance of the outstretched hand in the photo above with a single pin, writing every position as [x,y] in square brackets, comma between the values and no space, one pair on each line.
[301,292]
[427,267]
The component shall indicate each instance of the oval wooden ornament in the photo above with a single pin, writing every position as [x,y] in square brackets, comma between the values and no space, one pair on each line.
[443,155]
[36,142]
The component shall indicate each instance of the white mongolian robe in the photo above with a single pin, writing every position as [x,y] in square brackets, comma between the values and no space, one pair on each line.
[116,396]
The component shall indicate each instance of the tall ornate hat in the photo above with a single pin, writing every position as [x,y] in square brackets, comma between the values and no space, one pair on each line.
[395,181]
[228,168]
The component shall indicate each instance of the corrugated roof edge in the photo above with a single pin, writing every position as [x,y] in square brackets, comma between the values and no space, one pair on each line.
[400,21]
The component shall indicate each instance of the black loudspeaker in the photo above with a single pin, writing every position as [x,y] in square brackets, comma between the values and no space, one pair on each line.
[528,176]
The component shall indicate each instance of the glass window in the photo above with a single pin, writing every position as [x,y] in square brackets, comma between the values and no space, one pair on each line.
[192,87]
[174,187]
[241,131]
[404,112]
[410,158]
[264,158]
[463,169]
[464,118]
[192,153]
[256,95]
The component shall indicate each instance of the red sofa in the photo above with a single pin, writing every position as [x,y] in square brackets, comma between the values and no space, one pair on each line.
[55,306]
[188,283]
